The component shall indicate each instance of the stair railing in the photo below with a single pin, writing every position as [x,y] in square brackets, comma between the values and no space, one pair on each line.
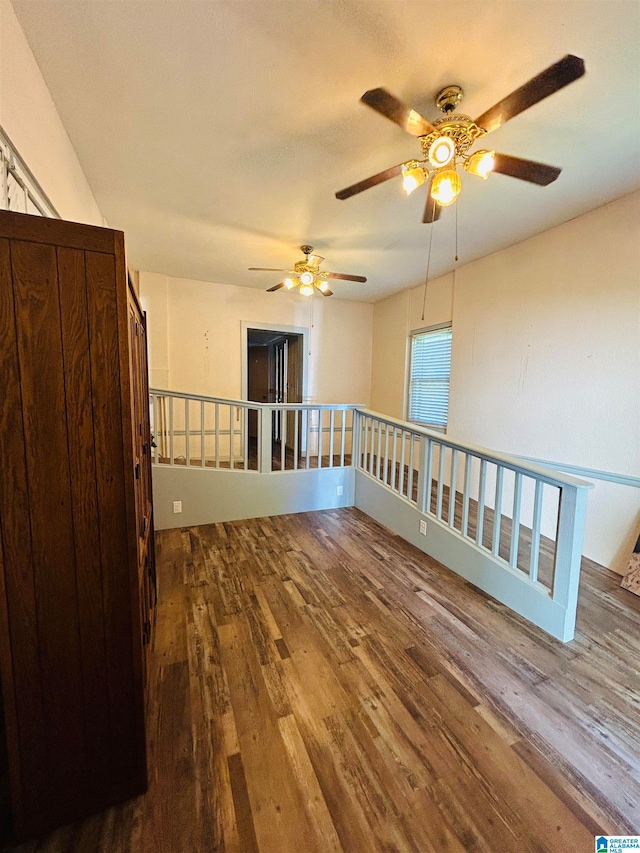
[512,527]
[214,432]
[517,515]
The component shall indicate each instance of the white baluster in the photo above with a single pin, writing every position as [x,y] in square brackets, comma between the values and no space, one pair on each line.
[217,435]
[245,436]
[387,473]
[265,439]
[171,459]
[497,517]
[393,460]
[401,478]
[515,523]
[441,461]
[332,426]
[374,424]
[535,531]
[232,460]
[426,498]
[187,434]
[203,461]
[452,487]
[283,438]
[466,491]
[412,439]
[481,490]
[156,429]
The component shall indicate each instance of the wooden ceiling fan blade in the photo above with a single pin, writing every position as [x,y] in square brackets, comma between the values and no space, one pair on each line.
[275,287]
[327,292]
[345,277]
[268,269]
[389,106]
[380,178]
[431,209]
[550,80]
[525,170]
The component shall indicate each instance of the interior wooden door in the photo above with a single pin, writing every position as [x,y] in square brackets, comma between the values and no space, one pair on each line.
[142,465]
[294,388]
[70,629]
[5,784]
[258,382]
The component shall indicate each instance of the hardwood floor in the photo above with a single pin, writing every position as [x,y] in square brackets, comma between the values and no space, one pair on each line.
[318,684]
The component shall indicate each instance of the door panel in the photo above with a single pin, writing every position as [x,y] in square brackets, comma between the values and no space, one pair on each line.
[294,385]
[69,644]
[258,382]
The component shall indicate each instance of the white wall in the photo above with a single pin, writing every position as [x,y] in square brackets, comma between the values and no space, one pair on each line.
[195,337]
[29,117]
[545,359]
[154,295]
[393,319]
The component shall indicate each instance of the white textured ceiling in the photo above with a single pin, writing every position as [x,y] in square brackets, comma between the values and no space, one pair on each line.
[216,133]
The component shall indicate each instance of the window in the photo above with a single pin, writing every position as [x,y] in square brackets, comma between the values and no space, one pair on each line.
[429,376]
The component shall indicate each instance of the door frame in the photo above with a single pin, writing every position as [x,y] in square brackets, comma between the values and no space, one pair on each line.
[245,325]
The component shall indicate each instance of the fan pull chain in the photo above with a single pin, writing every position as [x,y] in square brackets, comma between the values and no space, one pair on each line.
[457,230]
[426,279]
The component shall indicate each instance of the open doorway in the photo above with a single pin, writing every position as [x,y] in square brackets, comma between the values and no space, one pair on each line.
[275,374]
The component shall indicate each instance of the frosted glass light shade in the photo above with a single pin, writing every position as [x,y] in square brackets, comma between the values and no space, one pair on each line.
[441,152]
[480,163]
[445,187]
[413,176]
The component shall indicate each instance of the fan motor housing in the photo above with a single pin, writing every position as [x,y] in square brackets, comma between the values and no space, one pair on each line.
[460,128]
[448,98]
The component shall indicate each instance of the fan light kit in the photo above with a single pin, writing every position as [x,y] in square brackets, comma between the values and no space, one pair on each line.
[307,276]
[441,151]
[445,143]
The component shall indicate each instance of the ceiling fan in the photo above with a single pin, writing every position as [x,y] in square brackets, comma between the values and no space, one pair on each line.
[445,143]
[306,274]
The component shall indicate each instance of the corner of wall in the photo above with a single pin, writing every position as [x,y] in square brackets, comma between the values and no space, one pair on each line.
[31,120]
[389,353]
[153,289]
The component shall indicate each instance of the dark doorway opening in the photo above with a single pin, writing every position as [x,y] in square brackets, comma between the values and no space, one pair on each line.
[274,375]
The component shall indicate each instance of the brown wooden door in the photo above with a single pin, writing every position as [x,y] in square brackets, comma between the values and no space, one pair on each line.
[142,464]
[258,382]
[70,632]
[294,388]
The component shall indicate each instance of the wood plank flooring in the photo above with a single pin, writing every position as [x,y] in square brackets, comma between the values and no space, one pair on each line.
[318,684]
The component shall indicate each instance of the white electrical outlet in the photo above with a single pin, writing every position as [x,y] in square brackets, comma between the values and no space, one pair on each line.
[340,491]
[423,527]
[177,506]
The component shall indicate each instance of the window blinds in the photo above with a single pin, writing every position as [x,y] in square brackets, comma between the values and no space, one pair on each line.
[429,380]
